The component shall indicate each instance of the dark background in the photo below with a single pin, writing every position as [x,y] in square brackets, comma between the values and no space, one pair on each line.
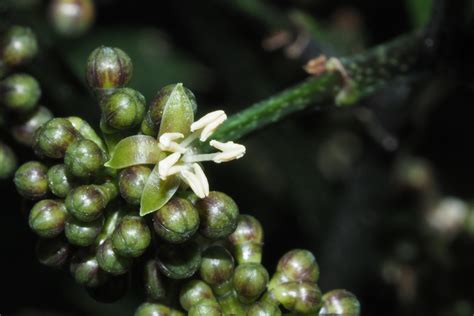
[324,180]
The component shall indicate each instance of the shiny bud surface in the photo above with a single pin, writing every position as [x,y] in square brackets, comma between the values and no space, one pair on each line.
[179,261]
[71,17]
[340,302]
[85,269]
[81,233]
[31,180]
[264,309]
[47,218]
[298,297]
[153,282]
[154,309]
[52,252]
[131,183]
[194,292]
[110,261]
[108,68]
[59,181]
[84,158]
[20,92]
[54,137]
[217,265]
[8,161]
[123,109]
[131,237]
[296,265]
[206,307]
[247,240]
[250,281]
[87,202]
[19,46]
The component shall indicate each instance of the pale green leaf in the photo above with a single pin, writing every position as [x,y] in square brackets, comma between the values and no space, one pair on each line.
[135,150]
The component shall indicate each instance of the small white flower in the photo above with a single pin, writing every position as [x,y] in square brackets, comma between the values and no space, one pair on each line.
[184,158]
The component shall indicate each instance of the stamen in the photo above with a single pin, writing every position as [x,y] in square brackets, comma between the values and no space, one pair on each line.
[188,140]
[230,151]
[194,183]
[202,178]
[167,142]
[165,164]
[208,123]
[198,158]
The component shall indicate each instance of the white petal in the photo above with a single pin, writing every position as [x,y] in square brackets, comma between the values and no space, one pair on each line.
[194,183]
[202,178]
[208,123]
[229,151]
[165,164]
[167,142]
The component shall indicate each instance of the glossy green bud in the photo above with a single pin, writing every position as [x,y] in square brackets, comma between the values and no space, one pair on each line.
[110,261]
[193,292]
[218,214]
[108,68]
[131,183]
[247,240]
[85,269]
[217,265]
[296,265]
[298,297]
[8,161]
[111,291]
[131,237]
[71,17]
[179,261]
[54,137]
[340,302]
[153,282]
[20,92]
[250,281]
[264,309]
[25,131]
[59,181]
[153,309]
[81,233]
[122,110]
[113,214]
[206,307]
[177,221]
[18,46]
[31,180]
[47,218]
[167,96]
[87,202]
[86,131]
[52,252]
[84,158]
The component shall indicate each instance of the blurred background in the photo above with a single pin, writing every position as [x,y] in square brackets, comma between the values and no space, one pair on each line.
[380,193]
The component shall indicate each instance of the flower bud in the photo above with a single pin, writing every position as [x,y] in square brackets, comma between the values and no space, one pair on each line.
[87,202]
[264,309]
[83,158]
[52,252]
[85,269]
[206,307]
[8,162]
[154,282]
[81,233]
[110,261]
[112,290]
[59,181]
[193,292]
[31,180]
[20,92]
[218,215]
[54,137]
[131,237]
[71,17]
[108,68]
[217,266]
[298,297]
[86,131]
[122,110]
[179,261]
[250,281]
[47,218]
[247,240]
[18,46]
[132,182]
[168,95]
[24,132]
[153,309]
[177,221]
[340,302]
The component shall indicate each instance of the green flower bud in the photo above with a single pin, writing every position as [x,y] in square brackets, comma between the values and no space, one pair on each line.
[131,183]
[108,68]
[31,180]
[110,261]
[247,240]
[296,265]
[87,202]
[217,266]
[218,214]
[177,221]
[179,261]
[298,297]
[340,302]
[84,158]
[85,269]
[71,17]
[80,233]
[206,307]
[152,309]
[113,215]
[112,290]
[8,161]
[193,292]
[54,137]
[25,132]
[151,123]
[20,92]
[264,309]
[154,282]
[131,237]
[122,110]
[18,46]
[86,131]
[47,218]
[52,252]
[59,181]
[250,281]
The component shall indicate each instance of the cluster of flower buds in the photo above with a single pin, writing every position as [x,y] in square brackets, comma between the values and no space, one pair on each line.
[138,196]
